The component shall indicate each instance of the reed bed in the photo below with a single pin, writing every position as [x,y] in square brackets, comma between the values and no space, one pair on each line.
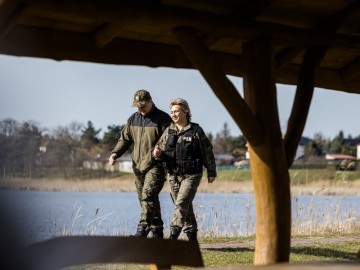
[306,221]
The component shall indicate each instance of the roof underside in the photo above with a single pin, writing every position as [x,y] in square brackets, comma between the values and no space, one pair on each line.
[139,32]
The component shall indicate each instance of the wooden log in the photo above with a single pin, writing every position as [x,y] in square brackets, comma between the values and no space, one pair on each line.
[201,58]
[302,101]
[67,251]
[268,160]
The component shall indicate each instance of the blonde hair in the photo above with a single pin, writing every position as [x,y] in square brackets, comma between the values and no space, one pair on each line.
[184,106]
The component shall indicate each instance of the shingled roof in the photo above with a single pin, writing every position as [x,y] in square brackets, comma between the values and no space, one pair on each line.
[139,32]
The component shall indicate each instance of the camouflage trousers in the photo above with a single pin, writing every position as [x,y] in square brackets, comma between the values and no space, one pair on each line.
[148,185]
[183,191]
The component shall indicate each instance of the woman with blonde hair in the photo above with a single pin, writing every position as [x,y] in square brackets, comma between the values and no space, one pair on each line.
[184,150]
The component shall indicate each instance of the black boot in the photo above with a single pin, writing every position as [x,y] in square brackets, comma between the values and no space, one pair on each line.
[192,236]
[142,230]
[175,232]
[157,233]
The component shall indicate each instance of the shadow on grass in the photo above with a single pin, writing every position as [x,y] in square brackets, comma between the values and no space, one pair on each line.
[230,249]
[312,251]
[325,252]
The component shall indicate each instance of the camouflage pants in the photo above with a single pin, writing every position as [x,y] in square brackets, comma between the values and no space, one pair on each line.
[183,191]
[148,186]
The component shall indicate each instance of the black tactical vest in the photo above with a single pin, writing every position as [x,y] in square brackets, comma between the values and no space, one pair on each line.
[183,157]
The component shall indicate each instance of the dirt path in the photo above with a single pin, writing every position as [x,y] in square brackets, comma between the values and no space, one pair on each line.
[294,242]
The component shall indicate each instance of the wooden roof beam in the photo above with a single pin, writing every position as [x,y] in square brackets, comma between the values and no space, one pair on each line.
[332,24]
[201,58]
[251,9]
[107,32]
[202,21]
[6,8]
[283,58]
[73,46]
[9,15]
[302,101]
[351,71]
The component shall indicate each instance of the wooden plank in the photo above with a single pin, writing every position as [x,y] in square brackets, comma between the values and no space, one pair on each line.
[67,251]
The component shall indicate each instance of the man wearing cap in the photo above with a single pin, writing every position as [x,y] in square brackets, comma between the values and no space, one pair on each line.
[143,129]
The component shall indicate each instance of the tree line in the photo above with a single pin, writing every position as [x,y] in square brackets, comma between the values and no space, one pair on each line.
[29,150]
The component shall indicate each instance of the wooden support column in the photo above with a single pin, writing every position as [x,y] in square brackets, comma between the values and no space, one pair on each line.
[201,58]
[268,161]
[302,101]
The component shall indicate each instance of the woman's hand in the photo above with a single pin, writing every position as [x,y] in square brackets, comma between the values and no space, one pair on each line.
[156,151]
[211,179]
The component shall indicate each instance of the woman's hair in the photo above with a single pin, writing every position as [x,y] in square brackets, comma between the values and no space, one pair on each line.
[184,106]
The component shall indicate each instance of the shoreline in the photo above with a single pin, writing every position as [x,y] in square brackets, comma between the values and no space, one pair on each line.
[127,185]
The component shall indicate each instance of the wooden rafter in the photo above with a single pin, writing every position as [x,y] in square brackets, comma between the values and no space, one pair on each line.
[77,47]
[351,71]
[201,58]
[107,32]
[202,21]
[12,13]
[330,25]
[251,9]
[302,101]
[148,24]
[306,82]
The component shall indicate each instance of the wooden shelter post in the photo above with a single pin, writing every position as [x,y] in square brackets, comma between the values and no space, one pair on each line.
[257,117]
[268,160]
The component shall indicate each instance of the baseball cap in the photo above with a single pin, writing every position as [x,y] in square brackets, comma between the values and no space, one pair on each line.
[140,97]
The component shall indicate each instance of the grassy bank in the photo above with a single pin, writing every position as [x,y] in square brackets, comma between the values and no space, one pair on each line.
[302,254]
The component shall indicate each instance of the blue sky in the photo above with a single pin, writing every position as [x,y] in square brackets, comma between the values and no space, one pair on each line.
[57,93]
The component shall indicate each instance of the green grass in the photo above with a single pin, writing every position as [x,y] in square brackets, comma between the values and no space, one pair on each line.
[346,251]
[321,252]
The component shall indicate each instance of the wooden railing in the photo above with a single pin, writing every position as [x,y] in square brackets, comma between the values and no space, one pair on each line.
[75,250]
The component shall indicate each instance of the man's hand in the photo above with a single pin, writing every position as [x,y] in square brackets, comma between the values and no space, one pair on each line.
[112,159]
[211,179]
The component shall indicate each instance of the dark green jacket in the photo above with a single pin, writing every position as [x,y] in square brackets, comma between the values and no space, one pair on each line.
[144,132]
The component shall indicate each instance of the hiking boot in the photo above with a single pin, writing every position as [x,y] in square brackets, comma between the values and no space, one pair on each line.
[175,232]
[142,230]
[192,236]
[157,233]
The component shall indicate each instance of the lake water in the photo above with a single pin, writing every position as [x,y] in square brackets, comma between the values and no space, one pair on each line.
[38,216]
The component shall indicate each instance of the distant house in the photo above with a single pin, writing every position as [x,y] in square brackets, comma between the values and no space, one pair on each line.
[341,162]
[93,165]
[224,159]
[123,164]
[299,151]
